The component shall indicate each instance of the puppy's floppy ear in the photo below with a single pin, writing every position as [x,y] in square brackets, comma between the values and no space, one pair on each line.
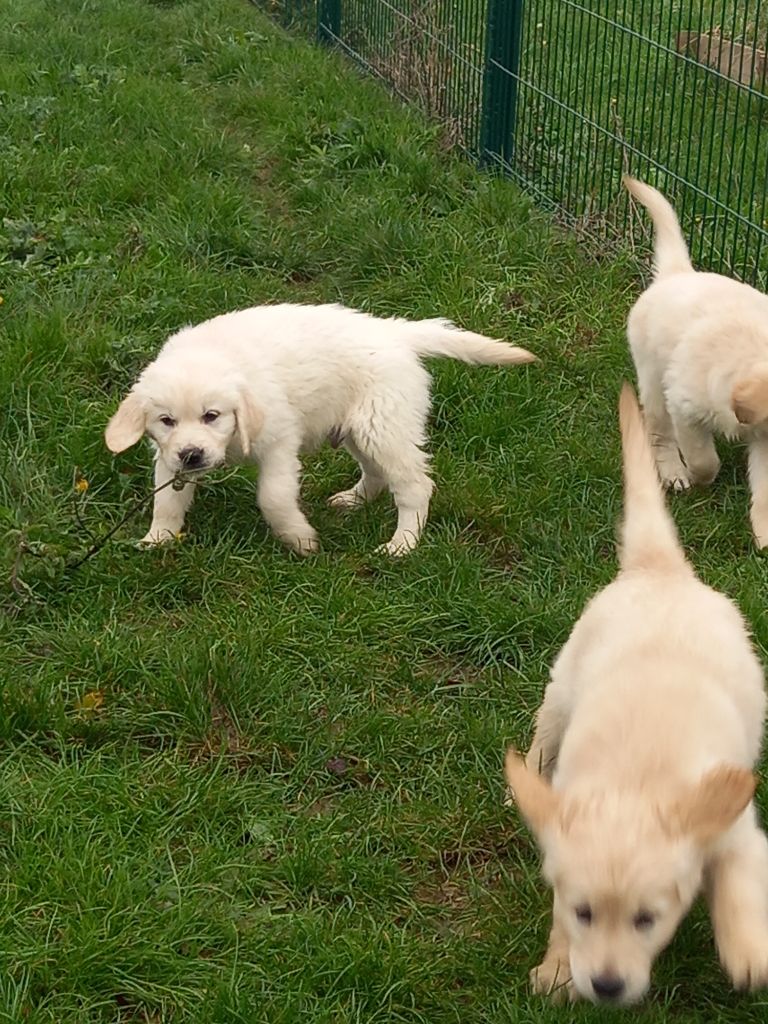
[127,425]
[538,802]
[749,397]
[250,420]
[706,809]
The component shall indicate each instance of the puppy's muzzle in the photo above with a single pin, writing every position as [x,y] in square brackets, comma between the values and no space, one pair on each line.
[192,458]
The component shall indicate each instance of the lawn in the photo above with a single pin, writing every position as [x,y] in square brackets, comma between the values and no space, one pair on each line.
[239,786]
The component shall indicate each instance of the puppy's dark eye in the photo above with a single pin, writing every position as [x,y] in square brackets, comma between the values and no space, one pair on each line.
[584,913]
[210,416]
[643,920]
[168,421]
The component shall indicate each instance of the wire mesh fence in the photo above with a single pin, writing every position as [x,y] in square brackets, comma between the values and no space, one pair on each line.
[565,96]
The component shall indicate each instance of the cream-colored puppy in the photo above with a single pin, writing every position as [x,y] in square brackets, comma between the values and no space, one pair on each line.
[638,783]
[265,383]
[700,346]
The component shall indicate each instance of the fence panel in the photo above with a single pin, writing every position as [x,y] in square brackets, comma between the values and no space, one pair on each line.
[566,95]
[427,51]
[674,93]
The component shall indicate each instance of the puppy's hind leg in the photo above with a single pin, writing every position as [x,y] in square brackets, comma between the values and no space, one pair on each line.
[388,431]
[170,507]
[368,487]
[412,489]
[278,495]
[738,900]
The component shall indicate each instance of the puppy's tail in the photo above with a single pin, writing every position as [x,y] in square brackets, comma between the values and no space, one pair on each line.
[648,536]
[670,253]
[442,338]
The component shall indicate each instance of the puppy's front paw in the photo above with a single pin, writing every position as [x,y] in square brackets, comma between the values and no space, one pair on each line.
[675,476]
[745,959]
[677,482]
[346,499]
[671,468]
[553,978]
[301,544]
[157,536]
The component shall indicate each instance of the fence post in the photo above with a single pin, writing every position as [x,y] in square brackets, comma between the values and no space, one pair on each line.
[328,21]
[504,29]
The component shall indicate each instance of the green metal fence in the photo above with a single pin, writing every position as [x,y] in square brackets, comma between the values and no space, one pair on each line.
[565,96]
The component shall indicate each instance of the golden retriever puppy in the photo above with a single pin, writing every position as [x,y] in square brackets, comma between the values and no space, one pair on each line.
[262,384]
[638,783]
[700,346]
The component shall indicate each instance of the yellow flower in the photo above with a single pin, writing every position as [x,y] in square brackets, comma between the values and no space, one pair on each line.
[81,485]
[91,701]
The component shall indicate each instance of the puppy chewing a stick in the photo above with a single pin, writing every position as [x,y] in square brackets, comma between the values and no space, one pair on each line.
[265,383]
[638,784]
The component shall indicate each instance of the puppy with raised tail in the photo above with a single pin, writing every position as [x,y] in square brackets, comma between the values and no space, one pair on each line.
[265,383]
[700,346]
[638,784]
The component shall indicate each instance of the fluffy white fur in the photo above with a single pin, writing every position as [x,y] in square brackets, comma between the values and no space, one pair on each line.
[638,783]
[700,347]
[264,383]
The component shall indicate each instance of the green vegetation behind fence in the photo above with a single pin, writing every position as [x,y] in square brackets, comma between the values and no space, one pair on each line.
[565,96]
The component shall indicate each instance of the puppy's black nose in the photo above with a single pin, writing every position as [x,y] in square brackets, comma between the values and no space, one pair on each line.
[191,458]
[608,986]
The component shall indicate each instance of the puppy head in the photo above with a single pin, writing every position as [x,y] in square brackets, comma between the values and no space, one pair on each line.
[624,869]
[749,397]
[193,412]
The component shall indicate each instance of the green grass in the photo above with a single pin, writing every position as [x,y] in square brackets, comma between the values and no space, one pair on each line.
[237,786]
